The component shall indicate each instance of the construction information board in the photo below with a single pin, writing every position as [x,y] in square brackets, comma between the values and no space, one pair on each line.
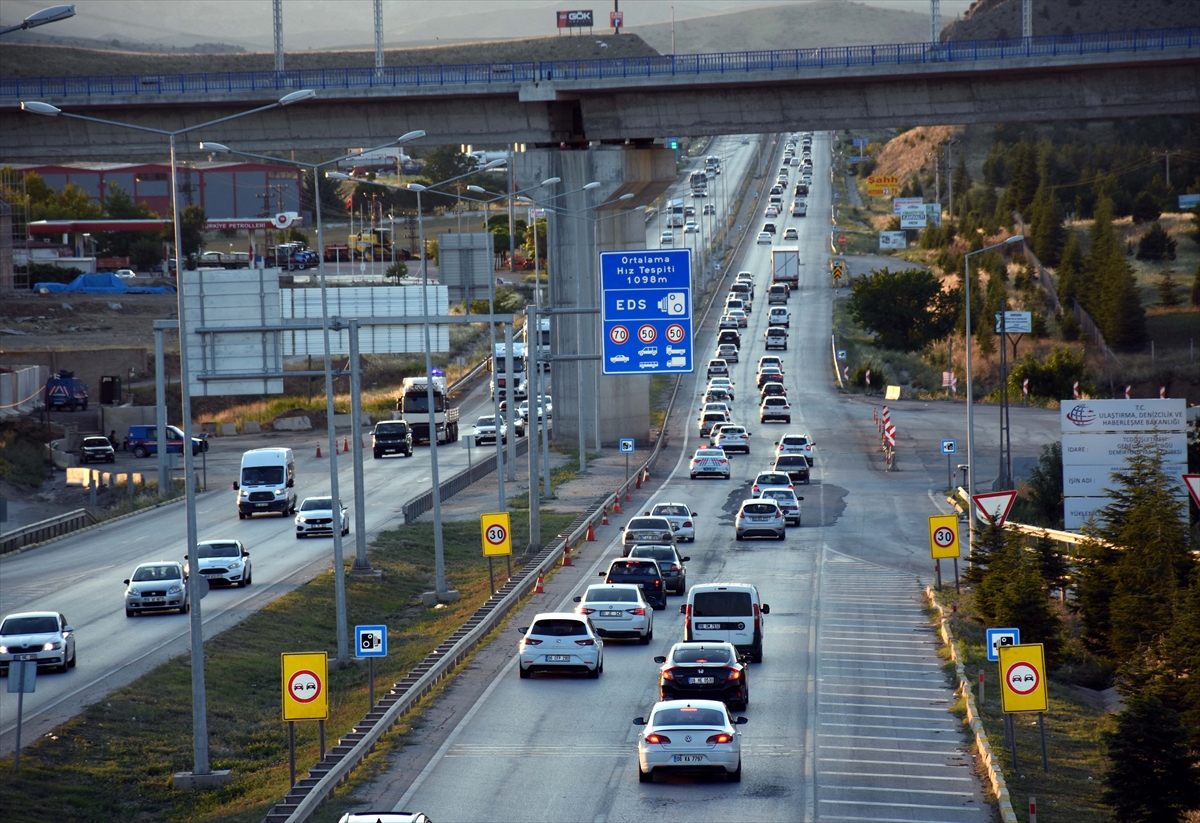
[646,305]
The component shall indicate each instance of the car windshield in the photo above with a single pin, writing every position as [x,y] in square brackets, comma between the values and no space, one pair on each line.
[671,510]
[656,552]
[611,594]
[391,428]
[559,627]
[37,624]
[96,441]
[313,504]
[718,604]
[798,461]
[703,656]
[164,572]
[262,475]
[486,421]
[223,549]
[689,717]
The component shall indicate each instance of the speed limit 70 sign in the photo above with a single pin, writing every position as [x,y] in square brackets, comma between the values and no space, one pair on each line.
[497,534]
[943,536]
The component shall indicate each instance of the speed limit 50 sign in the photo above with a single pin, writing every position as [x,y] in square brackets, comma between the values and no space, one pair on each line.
[943,536]
[497,534]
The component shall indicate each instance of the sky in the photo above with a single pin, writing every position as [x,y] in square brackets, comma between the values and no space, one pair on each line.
[350,23]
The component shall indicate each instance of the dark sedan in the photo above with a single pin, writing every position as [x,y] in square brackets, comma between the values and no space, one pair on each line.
[708,671]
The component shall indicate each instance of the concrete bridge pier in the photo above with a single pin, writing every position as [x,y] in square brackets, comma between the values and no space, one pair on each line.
[579,225]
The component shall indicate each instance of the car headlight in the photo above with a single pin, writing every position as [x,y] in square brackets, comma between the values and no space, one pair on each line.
[132,592]
[3,649]
[243,493]
[175,589]
[280,491]
[52,645]
[301,519]
[236,564]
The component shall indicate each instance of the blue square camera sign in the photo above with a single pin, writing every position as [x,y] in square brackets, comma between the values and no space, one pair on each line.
[646,305]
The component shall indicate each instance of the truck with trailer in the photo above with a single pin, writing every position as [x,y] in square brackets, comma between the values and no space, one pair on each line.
[413,406]
[785,266]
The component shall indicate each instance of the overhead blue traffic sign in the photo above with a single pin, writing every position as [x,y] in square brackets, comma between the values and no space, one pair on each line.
[646,311]
[370,641]
[949,447]
[626,445]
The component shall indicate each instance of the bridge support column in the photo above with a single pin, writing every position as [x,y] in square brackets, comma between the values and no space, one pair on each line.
[579,227]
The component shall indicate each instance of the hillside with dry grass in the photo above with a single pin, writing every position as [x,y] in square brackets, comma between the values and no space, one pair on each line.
[1002,18]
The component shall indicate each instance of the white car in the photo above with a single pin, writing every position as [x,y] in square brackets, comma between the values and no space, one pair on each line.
[485,431]
[42,636]
[775,408]
[618,610]
[618,358]
[722,383]
[771,211]
[681,518]
[710,462]
[790,232]
[739,315]
[126,274]
[667,239]
[728,321]
[728,352]
[548,408]
[690,735]
[770,360]
[717,367]
[691,227]
[788,502]
[222,561]
[779,316]
[770,480]
[315,516]
[764,238]
[733,438]
[795,444]
[560,642]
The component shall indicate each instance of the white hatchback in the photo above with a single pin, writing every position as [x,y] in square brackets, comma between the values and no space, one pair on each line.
[764,238]
[618,610]
[733,438]
[722,383]
[690,735]
[795,444]
[681,518]
[560,642]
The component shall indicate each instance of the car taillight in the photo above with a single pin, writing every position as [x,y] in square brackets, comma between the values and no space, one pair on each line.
[585,610]
[734,674]
[657,738]
[687,619]
[720,738]
[639,611]
[755,488]
[756,617]
[674,567]
[532,641]
[657,584]
[741,513]
[585,642]
[687,524]
[668,674]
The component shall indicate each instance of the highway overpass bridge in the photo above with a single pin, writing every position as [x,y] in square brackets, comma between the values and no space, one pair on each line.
[577,102]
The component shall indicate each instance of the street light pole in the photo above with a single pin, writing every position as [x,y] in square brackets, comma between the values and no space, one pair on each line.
[970,478]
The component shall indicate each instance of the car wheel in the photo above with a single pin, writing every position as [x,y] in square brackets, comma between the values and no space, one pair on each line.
[736,776]
[594,674]
[242,515]
[645,777]
[738,536]
[783,533]
[74,658]
[376,455]
[140,451]
[112,459]
[185,608]
[299,535]
[524,673]
[646,638]
[693,477]
[756,654]
[130,612]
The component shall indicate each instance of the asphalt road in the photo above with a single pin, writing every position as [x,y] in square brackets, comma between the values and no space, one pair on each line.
[849,716]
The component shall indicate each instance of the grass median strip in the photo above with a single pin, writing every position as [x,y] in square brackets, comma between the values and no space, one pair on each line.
[115,760]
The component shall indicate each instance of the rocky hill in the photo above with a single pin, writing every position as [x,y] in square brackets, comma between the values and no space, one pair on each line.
[1002,18]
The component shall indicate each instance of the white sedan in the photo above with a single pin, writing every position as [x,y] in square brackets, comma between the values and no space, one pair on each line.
[681,518]
[710,462]
[618,610]
[764,238]
[316,517]
[126,274]
[560,642]
[690,735]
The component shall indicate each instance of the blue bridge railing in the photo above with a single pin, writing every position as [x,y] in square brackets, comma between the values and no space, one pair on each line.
[477,74]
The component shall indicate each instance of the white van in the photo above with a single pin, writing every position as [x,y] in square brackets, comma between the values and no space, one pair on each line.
[268,483]
[726,612]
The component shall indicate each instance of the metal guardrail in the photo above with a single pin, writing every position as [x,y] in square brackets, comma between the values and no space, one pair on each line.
[45,530]
[416,507]
[509,74]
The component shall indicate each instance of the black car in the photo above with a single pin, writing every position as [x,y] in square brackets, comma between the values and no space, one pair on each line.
[392,437]
[730,336]
[796,466]
[769,228]
[773,389]
[705,671]
[670,563]
[96,449]
[639,571]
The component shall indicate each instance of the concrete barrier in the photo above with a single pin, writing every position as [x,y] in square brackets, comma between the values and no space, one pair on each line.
[227,429]
[251,427]
[292,424]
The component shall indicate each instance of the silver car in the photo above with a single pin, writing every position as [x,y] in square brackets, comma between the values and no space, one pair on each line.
[645,529]
[316,517]
[157,586]
[42,636]
[222,561]
[788,502]
[485,431]
[618,610]
[760,518]
[680,516]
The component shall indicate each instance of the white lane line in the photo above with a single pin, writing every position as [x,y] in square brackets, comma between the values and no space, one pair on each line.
[880,726]
[889,774]
[889,750]
[952,721]
[891,688]
[925,700]
[880,654]
[939,741]
[894,789]
[974,809]
[934,709]
[840,817]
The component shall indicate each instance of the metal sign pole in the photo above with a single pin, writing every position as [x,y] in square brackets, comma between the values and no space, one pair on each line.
[1042,732]
[361,563]
[371,680]
[491,578]
[292,752]
[937,565]
[957,590]
[1012,738]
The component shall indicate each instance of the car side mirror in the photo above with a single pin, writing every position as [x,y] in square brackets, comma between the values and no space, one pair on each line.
[291,484]
[185,557]
[639,721]
[683,609]
[799,498]
[741,721]
[766,609]
[523,629]
[601,574]
[645,514]
[660,658]
[577,599]
[126,581]
[776,442]
[67,629]
[235,485]
[245,553]
[621,528]
[685,559]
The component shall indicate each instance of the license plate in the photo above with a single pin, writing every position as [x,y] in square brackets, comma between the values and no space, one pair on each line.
[610,614]
[261,505]
[211,575]
[558,658]
[687,758]
[153,600]
[712,627]
[702,681]
[760,519]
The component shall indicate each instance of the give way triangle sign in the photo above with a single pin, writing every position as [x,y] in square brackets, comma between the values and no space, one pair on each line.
[994,506]
[1193,484]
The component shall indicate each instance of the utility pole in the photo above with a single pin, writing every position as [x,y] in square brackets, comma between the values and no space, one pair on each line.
[935,19]
[1027,18]
[277,9]
[379,38]
[1167,155]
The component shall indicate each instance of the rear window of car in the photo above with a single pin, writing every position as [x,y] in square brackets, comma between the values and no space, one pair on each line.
[773,479]
[611,595]
[671,510]
[630,570]
[717,604]
[648,523]
[791,461]
[558,627]
[655,552]
[29,625]
[703,656]
[759,508]
[775,401]
[710,416]
[784,496]
[689,717]
[732,430]
[794,440]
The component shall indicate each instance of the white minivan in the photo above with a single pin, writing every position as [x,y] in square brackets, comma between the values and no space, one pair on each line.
[267,483]
[726,613]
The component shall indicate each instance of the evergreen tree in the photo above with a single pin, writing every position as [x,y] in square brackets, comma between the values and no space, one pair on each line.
[1145,208]
[1181,650]
[1168,292]
[1156,244]
[1052,563]
[1045,489]
[1196,287]
[1118,309]
[1047,235]
[1095,579]
[1149,525]
[992,560]
[1152,777]
[1071,277]
[1023,184]
[1021,600]
[961,179]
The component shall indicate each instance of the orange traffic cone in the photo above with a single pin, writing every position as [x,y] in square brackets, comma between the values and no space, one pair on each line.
[538,588]
[604,519]
[617,503]
[638,482]
[318,450]
[591,535]
[627,497]
[567,556]
[345,444]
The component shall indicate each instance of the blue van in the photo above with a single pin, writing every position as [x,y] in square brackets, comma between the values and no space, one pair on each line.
[66,391]
[143,441]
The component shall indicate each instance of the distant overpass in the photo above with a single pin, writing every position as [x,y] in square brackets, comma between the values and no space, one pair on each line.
[638,99]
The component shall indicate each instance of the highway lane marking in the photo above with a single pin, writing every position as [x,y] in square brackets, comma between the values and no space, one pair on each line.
[879,819]
[889,774]
[975,809]
[891,750]
[836,787]
[894,688]
[878,737]
[891,726]
[832,703]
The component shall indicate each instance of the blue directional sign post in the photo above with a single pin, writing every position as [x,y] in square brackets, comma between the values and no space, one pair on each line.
[646,300]
[370,642]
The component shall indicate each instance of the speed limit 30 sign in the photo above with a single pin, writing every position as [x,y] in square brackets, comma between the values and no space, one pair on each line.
[497,534]
[943,536]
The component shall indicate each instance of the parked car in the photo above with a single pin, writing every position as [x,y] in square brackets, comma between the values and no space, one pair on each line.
[66,391]
[143,441]
[315,517]
[157,586]
[47,637]
[96,450]
[560,642]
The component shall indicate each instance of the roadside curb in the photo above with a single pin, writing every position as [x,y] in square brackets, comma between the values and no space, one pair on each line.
[994,772]
[119,517]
